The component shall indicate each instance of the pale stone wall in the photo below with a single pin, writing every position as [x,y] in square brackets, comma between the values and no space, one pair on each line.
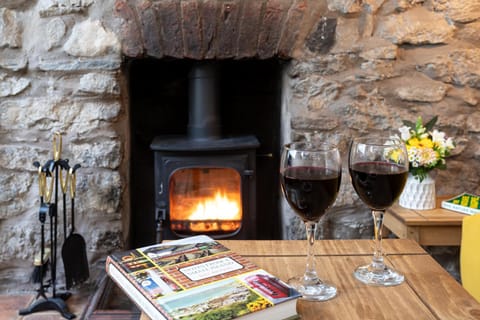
[61,70]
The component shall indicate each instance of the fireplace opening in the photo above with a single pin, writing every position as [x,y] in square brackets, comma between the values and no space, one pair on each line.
[248,110]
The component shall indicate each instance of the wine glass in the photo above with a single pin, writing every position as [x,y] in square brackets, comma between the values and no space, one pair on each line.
[378,167]
[310,175]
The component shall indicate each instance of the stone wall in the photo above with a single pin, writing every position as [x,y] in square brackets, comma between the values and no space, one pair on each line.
[60,66]
[356,67]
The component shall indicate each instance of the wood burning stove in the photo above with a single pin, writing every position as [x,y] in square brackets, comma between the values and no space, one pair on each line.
[205,183]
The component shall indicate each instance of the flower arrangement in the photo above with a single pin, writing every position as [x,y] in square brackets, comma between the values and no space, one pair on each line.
[427,147]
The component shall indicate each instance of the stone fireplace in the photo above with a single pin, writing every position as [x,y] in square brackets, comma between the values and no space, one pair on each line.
[350,67]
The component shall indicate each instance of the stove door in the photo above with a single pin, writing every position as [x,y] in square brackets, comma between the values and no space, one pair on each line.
[184,183]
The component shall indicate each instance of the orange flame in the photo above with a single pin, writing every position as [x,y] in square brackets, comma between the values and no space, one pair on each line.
[218,207]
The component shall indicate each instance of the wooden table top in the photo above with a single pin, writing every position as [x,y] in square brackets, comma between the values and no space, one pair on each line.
[435,227]
[428,292]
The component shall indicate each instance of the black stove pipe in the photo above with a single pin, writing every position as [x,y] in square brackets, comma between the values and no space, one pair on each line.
[204,122]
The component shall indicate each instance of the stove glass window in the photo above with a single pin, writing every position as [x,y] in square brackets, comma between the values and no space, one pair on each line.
[205,200]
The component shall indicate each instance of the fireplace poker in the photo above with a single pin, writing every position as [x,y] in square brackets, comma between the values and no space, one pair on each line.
[64,167]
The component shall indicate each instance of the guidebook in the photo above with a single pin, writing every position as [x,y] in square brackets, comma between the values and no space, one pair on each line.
[199,278]
[465,203]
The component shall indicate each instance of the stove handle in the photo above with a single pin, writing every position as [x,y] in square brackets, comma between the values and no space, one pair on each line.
[160,217]
[248,173]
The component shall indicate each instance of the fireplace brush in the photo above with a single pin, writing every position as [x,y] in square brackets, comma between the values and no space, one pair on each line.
[41,261]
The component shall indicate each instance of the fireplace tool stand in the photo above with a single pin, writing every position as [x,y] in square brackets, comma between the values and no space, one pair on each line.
[48,180]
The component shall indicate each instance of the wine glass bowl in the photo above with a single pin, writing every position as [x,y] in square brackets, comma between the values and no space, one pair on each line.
[310,176]
[378,169]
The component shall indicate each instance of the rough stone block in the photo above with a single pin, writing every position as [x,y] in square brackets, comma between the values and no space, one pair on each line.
[80,43]
[323,37]
[10,29]
[132,45]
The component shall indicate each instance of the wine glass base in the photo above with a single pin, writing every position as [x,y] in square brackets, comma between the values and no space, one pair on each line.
[384,276]
[316,290]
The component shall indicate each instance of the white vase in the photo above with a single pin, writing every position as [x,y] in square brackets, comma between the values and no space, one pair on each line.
[418,195]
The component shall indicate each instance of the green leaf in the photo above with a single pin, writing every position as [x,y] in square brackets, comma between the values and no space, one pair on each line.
[409,123]
[430,124]
[418,124]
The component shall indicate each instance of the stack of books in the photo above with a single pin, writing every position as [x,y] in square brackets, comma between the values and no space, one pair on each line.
[465,203]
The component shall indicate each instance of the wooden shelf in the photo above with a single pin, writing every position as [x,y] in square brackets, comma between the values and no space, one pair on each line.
[435,227]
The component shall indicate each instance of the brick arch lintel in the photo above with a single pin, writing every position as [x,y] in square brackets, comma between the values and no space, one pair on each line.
[217,29]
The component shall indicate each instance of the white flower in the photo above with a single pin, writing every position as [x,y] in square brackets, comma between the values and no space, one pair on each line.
[438,138]
[427,147]
[449,144]
[405,133]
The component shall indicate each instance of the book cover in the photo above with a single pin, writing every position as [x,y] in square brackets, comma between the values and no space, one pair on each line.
[465,203]
[198,278]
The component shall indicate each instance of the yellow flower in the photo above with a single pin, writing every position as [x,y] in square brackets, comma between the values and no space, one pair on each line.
[426,143]
[394,155]
[414,142]
[427,147]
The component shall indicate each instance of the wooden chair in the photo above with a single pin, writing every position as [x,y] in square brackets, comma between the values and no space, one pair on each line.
[470,255]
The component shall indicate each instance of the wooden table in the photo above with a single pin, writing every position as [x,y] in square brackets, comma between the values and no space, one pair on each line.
[436,227]
[428,292]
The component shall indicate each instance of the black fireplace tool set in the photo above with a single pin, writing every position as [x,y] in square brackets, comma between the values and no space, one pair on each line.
[53,173]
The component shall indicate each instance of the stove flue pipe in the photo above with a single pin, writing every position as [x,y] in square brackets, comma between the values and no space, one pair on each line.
[203,97]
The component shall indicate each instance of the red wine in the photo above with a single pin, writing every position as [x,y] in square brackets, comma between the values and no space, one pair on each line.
[378,184]
[310,190]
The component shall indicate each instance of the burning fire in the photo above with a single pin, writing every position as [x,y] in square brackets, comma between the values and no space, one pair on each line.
[205,200]
[218,207]
[221,212]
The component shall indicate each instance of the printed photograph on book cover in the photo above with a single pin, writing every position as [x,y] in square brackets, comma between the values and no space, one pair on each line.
[227,299]
[170,255]
[134,261]
[155,283]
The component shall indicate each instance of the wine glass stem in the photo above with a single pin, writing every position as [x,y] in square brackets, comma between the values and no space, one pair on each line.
[377,227]
[311,272]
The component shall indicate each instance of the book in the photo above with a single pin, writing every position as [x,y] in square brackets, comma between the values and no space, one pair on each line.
[199,278]
[464,203]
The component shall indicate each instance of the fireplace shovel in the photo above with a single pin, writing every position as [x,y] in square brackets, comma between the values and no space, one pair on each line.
[74,252]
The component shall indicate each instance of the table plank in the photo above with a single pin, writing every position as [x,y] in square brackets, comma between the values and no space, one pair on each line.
[250,248]
[446,298]
[354,300]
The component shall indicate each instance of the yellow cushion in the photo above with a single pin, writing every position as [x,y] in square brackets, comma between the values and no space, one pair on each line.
[470,255]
